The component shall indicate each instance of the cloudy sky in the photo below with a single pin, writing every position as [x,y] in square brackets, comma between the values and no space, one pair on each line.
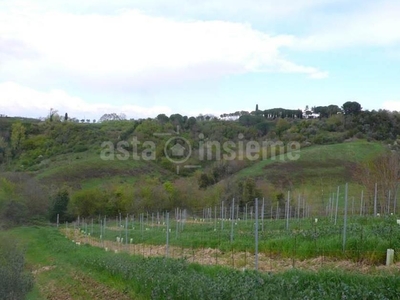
[148,57]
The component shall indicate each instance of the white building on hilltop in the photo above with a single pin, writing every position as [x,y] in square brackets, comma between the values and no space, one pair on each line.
[310,114]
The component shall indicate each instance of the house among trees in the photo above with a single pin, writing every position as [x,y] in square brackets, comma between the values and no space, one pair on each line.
[310,114]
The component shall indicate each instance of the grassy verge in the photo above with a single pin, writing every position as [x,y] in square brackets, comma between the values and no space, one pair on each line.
[57,273]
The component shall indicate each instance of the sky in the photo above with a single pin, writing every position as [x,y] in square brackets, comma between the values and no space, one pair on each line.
[144,58]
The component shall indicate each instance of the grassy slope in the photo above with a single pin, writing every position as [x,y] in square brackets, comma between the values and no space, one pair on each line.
[320,154]
[330,163]
[317,172]
[89,170]
[320,166]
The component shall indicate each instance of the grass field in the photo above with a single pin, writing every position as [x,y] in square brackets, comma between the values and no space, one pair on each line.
[64,270]
[318,172]
[89,170]
[329,163]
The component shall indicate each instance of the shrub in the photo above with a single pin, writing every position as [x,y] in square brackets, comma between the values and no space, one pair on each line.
[60,206]
[80,148]
[14,282]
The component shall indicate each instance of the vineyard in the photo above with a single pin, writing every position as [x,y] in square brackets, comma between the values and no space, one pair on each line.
[262,250]
[244,238]
[66,270]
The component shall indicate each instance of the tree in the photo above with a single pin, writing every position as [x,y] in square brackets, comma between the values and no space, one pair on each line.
[66,117]
[162,118]
[148,127]
[205,180]
[351,108]
[280,198]
[171,192]
[60,206]
[383,170]
[15,212]
[262,127]
[17,136]
[90,202]
[53,114]
[322,111]
[281,126]
[200,117]
[3,149]
[176,119]
[250,120]
[247,191]
[112,117]
[327,111]
[191,122]
[12,208]
[30,192]
[333,110]
[282,113]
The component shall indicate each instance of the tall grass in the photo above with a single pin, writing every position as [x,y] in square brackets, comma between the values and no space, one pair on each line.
[15,283]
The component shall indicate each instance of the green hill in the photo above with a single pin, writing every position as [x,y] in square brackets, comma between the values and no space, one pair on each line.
[64,158]
[332,164]
[87,169]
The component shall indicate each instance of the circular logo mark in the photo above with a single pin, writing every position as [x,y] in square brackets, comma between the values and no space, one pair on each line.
[177,150]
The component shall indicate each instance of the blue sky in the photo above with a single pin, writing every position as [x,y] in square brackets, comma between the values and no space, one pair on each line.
[143,58]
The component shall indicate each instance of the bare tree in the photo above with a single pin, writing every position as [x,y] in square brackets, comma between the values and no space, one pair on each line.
[383,170]
[53,115]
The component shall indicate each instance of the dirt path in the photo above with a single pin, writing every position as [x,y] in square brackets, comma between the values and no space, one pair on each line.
[238,260]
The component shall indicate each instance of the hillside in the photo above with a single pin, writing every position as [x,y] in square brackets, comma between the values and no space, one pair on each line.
[120,166]
[332,164]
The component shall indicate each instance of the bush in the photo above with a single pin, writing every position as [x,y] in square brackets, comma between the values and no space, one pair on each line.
[60,206]
[80,148]
[14,212]
[14,282]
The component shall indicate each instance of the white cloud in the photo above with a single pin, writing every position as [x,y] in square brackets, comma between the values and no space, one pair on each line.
[393,105]
[136,48]
[289,67]
[374,24]
[19,100]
